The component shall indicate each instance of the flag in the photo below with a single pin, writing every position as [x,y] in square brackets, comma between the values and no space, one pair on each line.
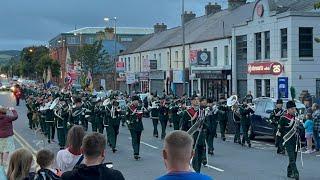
[89,81]
[49,77]
[68,61]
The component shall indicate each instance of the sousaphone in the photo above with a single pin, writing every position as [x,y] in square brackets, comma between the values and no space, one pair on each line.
[232,100]
[54,103]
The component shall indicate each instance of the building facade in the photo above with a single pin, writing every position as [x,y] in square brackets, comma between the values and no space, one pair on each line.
[276,50]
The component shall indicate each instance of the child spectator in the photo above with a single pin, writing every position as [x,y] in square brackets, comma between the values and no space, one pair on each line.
[20,165]
[308,125]
[45,159]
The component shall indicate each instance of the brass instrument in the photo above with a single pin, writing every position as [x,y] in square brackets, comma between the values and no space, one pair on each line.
[294,130]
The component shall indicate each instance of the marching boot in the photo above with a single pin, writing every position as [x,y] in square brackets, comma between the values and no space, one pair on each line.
[137,157]
[114,150]
[249,145]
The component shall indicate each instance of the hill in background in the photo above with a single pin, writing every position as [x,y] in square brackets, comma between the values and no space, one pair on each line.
[6,55]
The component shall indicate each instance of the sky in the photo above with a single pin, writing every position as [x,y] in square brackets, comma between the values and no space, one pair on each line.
[34,22]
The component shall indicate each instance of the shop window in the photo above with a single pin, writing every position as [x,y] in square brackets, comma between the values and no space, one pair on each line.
[226,55]
[258,84]
[267,45]
[318,88]
[215,56]
[159,60]
[306,42]
[241,47]
[258,46]
[129,64]
[267,87]
[284,43]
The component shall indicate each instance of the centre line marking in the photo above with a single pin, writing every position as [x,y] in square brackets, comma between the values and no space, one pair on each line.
[215,168]
[318,155]
[154,147]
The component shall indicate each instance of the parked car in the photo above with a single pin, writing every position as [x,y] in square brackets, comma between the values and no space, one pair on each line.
[5,86]
[260,120]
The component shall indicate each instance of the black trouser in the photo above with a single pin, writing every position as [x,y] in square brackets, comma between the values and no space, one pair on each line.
[292,154]
[245,128]
[17,101]
[200,152]
[237,127]
[223,127]
[163,123]
[176,122]
[135,139]
[155,122]
[113,132]
[50,129]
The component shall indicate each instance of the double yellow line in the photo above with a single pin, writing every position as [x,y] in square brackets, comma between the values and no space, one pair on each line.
[25,144]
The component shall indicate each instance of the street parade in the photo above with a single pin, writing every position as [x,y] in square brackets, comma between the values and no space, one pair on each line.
[163,90]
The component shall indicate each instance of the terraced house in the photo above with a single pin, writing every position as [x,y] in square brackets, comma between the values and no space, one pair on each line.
[265,46]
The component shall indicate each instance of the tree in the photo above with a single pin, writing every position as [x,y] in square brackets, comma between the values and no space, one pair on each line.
[45,62]
[93,58]
[317,5]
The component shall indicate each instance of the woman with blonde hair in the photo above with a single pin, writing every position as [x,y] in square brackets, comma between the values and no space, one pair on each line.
[20,165]
[68,158]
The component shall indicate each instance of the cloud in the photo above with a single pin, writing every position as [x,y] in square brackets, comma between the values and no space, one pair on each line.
[37,21]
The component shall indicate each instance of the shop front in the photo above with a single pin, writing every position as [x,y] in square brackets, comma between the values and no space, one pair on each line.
[143,81]
[212,83]
[157,84]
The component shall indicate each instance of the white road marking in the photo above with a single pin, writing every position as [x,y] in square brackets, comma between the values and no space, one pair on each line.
[215,168]
[318,155]
[149,145]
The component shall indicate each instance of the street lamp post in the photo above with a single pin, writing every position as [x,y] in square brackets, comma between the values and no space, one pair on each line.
[115,48]
[183,48]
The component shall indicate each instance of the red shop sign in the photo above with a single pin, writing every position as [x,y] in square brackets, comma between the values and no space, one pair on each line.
[273,68]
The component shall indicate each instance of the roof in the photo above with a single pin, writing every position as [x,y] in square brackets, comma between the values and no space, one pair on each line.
[108,46]
[215,26]
[120,30]
[204,28]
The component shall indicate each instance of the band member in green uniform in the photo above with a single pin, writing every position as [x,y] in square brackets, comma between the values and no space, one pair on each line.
[236,116]
[113,126]
[163,117]
[77,115]
[223,118]
[61,117]
[174,109]
[245,121]
[49,123]
[154,115]
[97,125]
[29,104]
[275,117]
[211,121]
[135,125]
[288,127]
[188,119]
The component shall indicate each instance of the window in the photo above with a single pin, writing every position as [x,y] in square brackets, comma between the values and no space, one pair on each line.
[215,56]
[147,57]
[168,59]
[126,39]
[269,106]
[160,60]
[154,56]
[267,45]
[284,43]
[258,88]
[176,58]
[267,87]
[241,47]
[135,63]
[306,42]
[129,64]
[73,40]
[89,40]
[258,46]
[126,63]
[226,55]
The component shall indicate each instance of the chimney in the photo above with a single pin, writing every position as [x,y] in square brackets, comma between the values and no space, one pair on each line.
[188,16]
[212,8]
[159,27]
[232,4]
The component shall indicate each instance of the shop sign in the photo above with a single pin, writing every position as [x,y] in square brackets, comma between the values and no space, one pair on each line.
[143,76]
[177,76]
[157,75]
[130,78]
[273,68]
[120,66]
[203,57]
[153,65]
[193,57]
[209,74]
[146,65]
[283,89]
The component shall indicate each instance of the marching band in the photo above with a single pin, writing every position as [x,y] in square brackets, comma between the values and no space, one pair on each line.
[53,110]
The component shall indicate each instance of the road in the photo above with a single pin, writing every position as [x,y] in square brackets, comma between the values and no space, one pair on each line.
[230,162]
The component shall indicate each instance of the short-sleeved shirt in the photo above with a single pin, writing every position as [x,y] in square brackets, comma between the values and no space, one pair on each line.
[184,176]
[308,125]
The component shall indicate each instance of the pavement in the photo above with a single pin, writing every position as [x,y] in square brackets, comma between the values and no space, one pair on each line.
[230,161]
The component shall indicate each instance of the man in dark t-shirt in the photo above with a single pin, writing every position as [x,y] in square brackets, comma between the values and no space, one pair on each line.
[93,147]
